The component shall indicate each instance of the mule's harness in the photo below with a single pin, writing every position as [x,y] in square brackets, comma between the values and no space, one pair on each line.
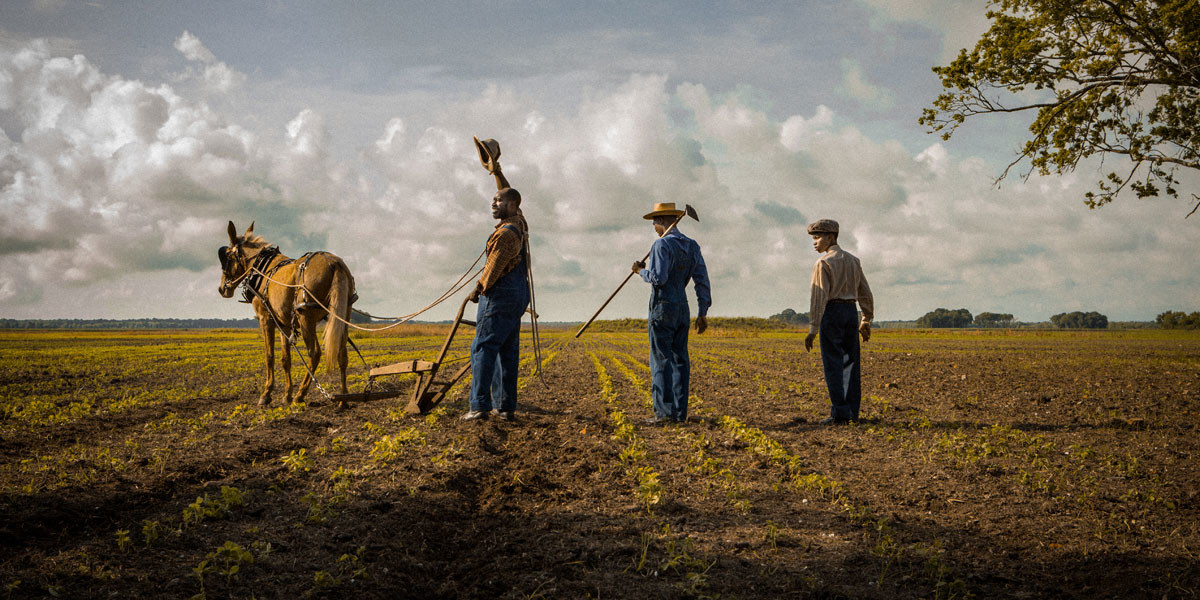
[251,282]
[252,279]
[256,272]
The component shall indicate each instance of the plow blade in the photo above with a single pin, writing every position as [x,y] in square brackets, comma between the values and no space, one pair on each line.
[434,392]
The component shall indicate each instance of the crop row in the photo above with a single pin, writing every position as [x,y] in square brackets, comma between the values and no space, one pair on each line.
[633,454]
[660,551]
[888,544]
[700,461]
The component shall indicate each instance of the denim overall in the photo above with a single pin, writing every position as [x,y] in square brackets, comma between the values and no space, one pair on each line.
[496,350]
[668,325]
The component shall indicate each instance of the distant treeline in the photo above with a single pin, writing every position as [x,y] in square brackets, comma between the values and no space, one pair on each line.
[962,318]
[1080,320]
[126,323]
[942,317]
[1178,320]
[790,316]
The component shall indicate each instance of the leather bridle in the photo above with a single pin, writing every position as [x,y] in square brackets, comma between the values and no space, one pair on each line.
[223,253]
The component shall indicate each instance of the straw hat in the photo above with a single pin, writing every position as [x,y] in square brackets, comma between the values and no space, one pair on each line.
[664,209]
[823,226]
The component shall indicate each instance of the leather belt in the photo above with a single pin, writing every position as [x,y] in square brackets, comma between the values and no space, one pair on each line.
[840,301]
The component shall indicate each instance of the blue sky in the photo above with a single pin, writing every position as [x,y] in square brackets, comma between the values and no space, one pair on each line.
[134,131]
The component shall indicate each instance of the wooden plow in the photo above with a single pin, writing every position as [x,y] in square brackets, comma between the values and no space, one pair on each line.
[428,391]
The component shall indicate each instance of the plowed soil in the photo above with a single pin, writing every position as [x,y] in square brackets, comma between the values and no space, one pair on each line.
[1009,464]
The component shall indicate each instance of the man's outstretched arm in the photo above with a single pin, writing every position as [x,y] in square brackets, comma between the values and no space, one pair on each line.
[501,180]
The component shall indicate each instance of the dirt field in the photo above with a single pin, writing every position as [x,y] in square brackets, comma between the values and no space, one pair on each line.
[997,464]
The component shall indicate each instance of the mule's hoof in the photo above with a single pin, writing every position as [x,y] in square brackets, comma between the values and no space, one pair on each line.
[263,402]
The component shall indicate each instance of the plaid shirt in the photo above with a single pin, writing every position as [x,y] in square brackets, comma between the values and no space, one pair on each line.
[503,250]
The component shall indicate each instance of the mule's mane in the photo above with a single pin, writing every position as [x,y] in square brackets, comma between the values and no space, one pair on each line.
[253,241]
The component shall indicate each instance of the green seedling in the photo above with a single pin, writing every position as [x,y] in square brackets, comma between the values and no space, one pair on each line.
[298,460]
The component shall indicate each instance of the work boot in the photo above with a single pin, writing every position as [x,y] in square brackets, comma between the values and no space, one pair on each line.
[475,415]
[833,421]
[505,415]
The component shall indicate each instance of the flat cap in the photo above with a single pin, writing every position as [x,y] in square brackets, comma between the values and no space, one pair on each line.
[823,226]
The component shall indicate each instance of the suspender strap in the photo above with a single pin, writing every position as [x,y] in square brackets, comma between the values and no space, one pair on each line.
[516,230]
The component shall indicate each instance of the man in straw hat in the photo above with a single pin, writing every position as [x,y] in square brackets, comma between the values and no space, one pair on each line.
[503,294]
[837,283]
[674,260]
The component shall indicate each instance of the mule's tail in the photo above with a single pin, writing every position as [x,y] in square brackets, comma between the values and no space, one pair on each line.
[340,293]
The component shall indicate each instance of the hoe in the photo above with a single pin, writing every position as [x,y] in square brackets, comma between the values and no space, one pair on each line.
[687,212]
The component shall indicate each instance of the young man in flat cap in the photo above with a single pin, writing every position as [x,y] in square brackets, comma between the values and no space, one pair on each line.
[674,260]
[837,283]
[503,294]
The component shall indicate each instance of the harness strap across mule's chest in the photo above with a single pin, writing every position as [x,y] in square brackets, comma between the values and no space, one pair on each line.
[252,283]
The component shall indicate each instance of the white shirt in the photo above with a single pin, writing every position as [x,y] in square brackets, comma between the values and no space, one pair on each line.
[839,276]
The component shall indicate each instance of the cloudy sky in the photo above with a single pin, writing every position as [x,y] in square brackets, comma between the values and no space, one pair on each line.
[132,132]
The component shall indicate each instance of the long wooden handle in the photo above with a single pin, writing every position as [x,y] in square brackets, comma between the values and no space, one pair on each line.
[614,294]
[610,297]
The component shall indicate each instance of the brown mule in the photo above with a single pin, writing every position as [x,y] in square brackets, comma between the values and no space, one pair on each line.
[289,294]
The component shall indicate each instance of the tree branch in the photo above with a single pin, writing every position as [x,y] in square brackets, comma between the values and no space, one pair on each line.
[1150,40]
[1106,76]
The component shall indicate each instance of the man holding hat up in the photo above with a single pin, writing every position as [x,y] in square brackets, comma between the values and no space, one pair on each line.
[674,260]
[503,295]
[837,283]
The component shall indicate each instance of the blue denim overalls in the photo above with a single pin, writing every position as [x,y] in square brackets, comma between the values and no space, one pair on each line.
[496,350]
[668,327]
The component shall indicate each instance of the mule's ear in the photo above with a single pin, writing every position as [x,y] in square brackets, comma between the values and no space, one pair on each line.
[249,229]
[233,237]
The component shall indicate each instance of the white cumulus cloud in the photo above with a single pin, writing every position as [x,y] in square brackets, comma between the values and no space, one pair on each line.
[216,75]
[111,186]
